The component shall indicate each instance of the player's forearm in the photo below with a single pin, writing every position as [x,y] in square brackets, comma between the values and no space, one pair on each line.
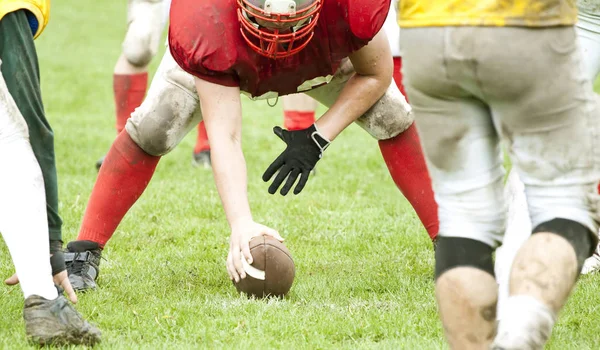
[360,93]
[374,67]
[229,169]
[222,111]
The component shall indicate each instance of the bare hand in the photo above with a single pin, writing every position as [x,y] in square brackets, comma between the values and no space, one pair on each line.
[241,234]
[60,279]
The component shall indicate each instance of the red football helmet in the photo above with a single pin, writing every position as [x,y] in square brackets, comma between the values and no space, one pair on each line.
[278,28]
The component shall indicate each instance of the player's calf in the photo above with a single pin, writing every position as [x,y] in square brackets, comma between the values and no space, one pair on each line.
[466,292]
[542,277]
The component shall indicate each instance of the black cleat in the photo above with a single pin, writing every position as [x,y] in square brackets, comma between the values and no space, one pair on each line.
[99,163]
[83,260]
[202,159]
[56,322]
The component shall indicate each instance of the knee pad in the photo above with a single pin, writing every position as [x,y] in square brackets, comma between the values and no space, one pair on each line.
[389,116]
[454,252]
[580,237]
[169,111]
[151,132]
[146,21]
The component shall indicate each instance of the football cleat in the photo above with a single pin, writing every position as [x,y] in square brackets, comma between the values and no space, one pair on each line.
[56,322]
[99,163]
[83,260]
[202,159]
[592,264]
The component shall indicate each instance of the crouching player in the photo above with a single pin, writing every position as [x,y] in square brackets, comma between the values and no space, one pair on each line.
[333,51]
[299,109]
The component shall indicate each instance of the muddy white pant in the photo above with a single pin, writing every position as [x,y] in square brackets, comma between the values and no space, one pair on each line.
[518,227]
[172,108]
[23,220]
[473,87]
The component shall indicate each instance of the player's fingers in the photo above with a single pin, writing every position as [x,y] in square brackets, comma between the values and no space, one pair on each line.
[229,266]
[272,169]
[271,232]
[301,182]
[283,173]
[246,253]
[237,263]
[66,285]
[12,280]
[290,181]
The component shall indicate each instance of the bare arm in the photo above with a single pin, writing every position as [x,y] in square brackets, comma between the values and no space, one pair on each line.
[374,67]
[222,113]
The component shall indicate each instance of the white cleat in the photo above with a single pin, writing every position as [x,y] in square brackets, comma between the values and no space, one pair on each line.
[592,264]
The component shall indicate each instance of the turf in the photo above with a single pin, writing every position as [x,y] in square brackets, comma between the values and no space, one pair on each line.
[364,263]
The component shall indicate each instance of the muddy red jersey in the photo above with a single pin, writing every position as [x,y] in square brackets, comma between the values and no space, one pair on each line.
[205,40]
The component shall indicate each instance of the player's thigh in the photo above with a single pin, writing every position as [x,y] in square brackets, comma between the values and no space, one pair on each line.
[388,117]
[550,119]
[460,143]
[588,33]
[169,111]
[12,123]
[145,22]
[299,102]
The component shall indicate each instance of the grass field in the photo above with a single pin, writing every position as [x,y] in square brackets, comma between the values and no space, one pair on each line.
[364,263]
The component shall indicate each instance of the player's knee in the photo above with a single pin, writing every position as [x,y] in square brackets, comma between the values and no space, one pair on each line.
[138,50]
[388,117]
[579,236]
[151,133]
[452,252]
[143,33]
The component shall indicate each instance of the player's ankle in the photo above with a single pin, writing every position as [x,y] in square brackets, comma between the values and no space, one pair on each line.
[525,321]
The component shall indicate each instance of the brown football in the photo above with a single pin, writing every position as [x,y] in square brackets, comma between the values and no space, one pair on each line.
[272,267]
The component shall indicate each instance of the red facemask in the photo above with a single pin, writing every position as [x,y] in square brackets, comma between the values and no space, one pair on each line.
[278,43]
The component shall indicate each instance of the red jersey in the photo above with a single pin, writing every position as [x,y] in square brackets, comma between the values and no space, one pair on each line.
[205,40]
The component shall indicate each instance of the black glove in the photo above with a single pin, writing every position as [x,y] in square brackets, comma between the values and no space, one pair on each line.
[57,260]
[304,149]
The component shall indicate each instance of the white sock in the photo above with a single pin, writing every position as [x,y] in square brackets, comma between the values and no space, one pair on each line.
[526,324]
[518,230]
[23,220]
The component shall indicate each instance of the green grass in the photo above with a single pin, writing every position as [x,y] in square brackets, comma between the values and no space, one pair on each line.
[364,263]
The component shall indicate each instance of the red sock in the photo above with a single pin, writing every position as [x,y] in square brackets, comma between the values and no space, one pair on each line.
[398,75]
[122,179]
[202,139]
[405,161]
[129,90]
[298,120]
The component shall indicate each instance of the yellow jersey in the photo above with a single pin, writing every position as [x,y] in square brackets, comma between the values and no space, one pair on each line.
[523,13]
[39,8]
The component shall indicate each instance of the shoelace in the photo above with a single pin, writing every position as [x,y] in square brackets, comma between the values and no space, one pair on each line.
[77,266]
